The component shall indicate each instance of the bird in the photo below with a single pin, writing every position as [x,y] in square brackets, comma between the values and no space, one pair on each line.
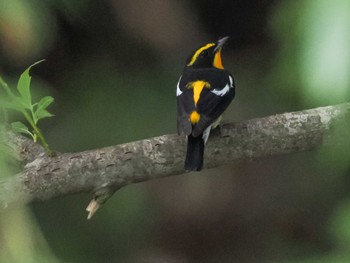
[204,91]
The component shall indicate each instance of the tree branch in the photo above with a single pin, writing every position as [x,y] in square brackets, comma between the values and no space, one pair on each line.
[21,148]
[105,170]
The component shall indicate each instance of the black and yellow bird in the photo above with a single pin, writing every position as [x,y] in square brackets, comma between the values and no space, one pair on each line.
[204,91]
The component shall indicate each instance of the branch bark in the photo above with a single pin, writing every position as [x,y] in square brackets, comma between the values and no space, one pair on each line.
[105,170]
[21,148]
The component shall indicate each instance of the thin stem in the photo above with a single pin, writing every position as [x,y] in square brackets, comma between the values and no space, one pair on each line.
[6,87]
[37,132]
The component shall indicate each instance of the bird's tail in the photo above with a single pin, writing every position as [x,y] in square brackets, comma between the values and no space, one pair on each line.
[195,151]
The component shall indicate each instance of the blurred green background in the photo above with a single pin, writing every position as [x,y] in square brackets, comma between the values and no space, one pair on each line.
[112,67]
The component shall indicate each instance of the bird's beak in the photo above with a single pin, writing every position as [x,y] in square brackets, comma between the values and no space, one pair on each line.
[221,42]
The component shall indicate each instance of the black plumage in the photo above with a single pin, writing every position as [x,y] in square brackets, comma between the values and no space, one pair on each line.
[204,91]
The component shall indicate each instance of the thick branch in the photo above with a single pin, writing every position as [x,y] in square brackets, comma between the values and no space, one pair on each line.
[116,166]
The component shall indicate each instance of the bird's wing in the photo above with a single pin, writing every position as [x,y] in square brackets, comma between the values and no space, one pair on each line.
[213,102]
[184,99]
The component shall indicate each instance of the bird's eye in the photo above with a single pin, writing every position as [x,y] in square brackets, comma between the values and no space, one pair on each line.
[204,53]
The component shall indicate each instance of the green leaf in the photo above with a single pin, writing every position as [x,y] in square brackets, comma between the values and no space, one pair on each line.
[44,103]
[21,128]
[41,106]
[41,114]
[23,86]
[15,104]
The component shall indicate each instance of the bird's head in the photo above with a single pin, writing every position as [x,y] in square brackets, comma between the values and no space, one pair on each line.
[207,56]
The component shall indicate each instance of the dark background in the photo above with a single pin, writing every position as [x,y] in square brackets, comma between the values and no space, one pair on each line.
[112,67]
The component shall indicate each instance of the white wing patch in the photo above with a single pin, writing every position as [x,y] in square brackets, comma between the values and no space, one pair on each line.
[178,91]
[231,81]
[221,92]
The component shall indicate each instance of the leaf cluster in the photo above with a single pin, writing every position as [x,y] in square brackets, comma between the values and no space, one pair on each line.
[22,102]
